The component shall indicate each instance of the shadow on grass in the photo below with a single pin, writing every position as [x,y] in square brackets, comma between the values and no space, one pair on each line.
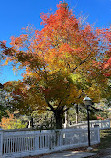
[105,139]
[102,149]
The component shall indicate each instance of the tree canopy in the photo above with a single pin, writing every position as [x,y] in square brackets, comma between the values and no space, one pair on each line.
[64,61]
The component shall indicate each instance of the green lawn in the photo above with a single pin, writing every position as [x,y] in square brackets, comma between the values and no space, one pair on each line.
[105,139]
[105,143]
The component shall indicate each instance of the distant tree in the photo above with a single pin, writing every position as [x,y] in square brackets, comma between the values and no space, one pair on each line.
[44,120]
[11,122]
[4,102]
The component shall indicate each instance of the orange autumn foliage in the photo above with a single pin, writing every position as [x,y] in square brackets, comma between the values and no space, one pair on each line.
[11,122]
[6,122]
[63,61]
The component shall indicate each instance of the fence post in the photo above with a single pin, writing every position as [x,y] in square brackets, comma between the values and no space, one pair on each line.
[37,142]
[98,134]
[61,137]
[109,123]
[1,142]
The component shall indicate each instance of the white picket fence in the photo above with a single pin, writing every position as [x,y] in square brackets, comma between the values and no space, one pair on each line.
[15,144]
[102,124]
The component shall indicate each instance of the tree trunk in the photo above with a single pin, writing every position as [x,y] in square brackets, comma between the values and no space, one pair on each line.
[58,117]
[77,114]
[66,119]
[32,122]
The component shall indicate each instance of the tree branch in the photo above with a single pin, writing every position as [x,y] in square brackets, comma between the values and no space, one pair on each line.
[66,109]
[50,106]
[59,104]
[83,61]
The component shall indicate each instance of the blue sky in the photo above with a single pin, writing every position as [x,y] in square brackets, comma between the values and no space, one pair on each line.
[16,14]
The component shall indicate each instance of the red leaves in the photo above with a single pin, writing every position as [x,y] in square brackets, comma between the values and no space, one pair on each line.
[105,35]
[108,63]
[19,41]
[107,68]
[44,18]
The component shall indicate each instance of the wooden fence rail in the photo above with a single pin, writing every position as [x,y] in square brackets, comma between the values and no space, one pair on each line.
[15,144]
[103,124]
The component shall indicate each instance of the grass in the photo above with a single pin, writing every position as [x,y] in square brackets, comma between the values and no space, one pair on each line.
[105,139]
[105,143]
[105,136]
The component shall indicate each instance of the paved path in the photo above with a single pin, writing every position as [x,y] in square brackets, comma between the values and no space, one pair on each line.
[68,154]
[107,153]
[103,153]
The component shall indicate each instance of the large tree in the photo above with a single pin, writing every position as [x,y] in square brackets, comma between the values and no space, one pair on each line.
[63,63]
